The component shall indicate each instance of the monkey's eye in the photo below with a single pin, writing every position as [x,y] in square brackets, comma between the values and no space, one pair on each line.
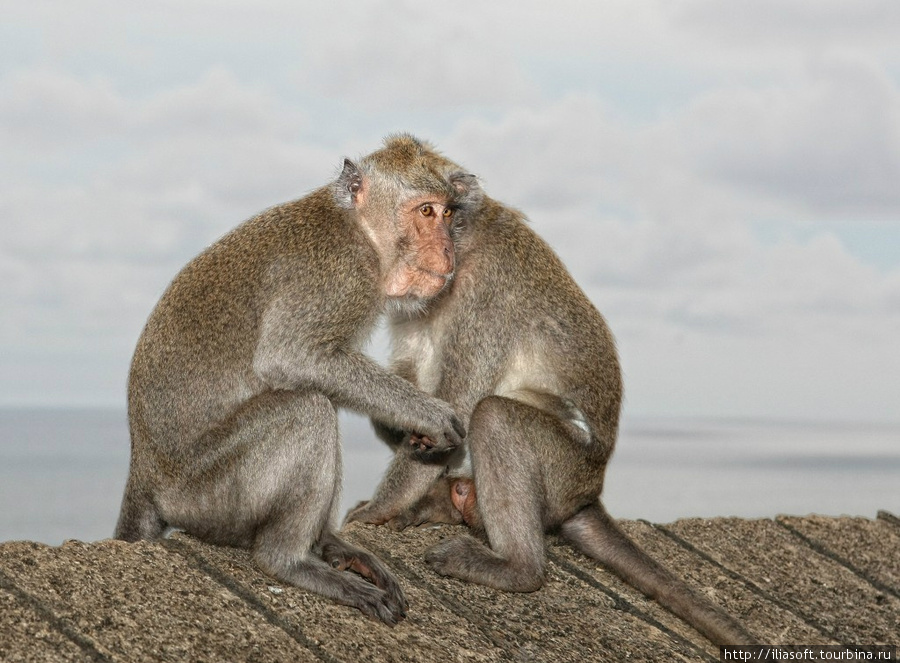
[448,212]
[426,210]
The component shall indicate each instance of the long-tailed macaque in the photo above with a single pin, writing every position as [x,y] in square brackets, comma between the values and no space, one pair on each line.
[238,373]
[531,366]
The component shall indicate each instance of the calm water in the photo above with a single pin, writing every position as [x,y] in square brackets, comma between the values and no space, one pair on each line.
[62,471]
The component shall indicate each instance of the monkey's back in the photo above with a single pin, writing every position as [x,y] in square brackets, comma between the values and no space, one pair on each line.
[193,364]
[555,339]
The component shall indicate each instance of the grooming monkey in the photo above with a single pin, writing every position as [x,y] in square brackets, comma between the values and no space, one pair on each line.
[531,366]
[238,373]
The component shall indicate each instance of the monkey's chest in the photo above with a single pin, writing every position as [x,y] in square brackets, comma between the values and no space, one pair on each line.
[422,352]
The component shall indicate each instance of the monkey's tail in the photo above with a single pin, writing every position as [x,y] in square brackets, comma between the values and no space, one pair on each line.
[596,534]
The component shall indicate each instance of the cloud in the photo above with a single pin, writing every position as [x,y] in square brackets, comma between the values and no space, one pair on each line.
[109,195]
[548,156]
[669,242]
[828,141]
[49,111]
[650,143]
[403,56]
[797,23]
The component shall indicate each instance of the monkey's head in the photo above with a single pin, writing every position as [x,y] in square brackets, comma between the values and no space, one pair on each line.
[411,201]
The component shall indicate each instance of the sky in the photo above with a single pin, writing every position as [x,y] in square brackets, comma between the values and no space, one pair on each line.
[722,179]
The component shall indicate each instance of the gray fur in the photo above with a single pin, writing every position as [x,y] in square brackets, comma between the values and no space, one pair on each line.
[238,373]
[530,364]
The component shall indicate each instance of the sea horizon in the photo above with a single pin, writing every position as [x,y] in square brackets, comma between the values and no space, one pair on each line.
[63,468]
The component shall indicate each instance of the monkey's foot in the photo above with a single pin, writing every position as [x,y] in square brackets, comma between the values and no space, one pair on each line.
[426,512]
[367,512]
[376,603]
[454,557]
[341,556]
[467,559]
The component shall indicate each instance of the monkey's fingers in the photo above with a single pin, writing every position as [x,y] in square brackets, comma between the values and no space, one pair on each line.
[453,438]
[436,453]
[408,518]
[376,603]
[370,568]
[342,557]
[395,602]
[421,442]
[394,598]
[428,448]
[367,512]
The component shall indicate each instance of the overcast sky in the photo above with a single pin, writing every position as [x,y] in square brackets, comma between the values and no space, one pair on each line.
[723,179]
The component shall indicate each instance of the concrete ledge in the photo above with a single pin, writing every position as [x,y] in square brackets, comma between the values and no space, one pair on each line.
[810,580]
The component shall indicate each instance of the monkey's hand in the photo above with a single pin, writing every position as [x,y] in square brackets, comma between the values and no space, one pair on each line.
[442,436]
[421,443]
[427,448]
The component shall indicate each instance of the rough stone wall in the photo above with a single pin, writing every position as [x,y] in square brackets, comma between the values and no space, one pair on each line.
[809,580]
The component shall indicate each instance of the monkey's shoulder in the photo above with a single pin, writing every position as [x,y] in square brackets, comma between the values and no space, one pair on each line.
[502,247]
[514,276]
[309,225]
[305,251]
[307,239]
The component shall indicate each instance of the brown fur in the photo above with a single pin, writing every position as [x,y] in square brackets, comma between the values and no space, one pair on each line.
[238,373]
[526,359]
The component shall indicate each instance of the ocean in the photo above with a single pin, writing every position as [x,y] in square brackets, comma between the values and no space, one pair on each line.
[62,471]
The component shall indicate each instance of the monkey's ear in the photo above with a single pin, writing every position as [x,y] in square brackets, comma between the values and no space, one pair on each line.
[348,185]
[468,189]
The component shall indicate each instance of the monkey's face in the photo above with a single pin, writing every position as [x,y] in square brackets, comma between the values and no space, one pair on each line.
[425,253]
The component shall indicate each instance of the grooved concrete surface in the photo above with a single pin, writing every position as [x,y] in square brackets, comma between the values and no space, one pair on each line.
[791,580]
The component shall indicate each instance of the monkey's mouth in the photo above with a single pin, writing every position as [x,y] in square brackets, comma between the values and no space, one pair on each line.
[419,284]
[430,284]
[410,281]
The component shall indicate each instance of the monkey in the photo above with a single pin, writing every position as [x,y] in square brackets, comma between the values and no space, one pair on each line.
[531,366]
[238,373]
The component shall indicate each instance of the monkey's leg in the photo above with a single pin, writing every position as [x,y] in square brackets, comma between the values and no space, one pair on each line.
[269,480]
[139,518]
[405,483]
[596,534]
[507,471]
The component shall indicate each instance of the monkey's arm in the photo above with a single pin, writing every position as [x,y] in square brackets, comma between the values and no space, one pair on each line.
[284,358]
[402,496]
[412,491]
[394,437]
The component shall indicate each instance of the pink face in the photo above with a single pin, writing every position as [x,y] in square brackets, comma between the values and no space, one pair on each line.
[428,256]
